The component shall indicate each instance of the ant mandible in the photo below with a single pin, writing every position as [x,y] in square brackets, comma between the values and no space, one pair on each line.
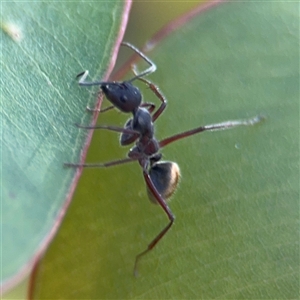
[161,177]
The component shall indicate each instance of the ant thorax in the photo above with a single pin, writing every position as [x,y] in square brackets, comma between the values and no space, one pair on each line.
[145,148]
[142,126]
[148,146]
[142,122]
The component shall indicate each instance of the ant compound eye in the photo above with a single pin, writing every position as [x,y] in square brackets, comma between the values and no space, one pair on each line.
[123,99]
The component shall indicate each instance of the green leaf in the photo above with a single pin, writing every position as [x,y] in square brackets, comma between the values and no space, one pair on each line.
[43,46]
[236,233]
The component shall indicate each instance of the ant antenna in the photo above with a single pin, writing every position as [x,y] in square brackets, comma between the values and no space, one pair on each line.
[146,72]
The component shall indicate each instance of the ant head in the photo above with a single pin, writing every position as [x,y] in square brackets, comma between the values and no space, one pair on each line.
[165,177]
[122,95]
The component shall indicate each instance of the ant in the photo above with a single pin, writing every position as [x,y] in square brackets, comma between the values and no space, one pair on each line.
[161,177]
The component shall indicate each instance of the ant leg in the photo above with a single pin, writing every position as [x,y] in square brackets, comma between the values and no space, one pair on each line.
[212,127]
[149,105]
[156,92]
[148,71]
[167,210]
[100,110]
[109,127]
[159,95]
[100,165]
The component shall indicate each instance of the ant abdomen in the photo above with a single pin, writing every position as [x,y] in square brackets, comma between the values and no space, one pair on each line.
[165,176]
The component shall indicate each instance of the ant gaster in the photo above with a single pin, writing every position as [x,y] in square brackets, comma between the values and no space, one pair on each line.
[161,177]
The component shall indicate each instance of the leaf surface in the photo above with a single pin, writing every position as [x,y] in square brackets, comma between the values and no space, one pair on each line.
[44,45]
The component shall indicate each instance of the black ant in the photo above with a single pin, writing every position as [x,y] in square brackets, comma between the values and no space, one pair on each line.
[161,177]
